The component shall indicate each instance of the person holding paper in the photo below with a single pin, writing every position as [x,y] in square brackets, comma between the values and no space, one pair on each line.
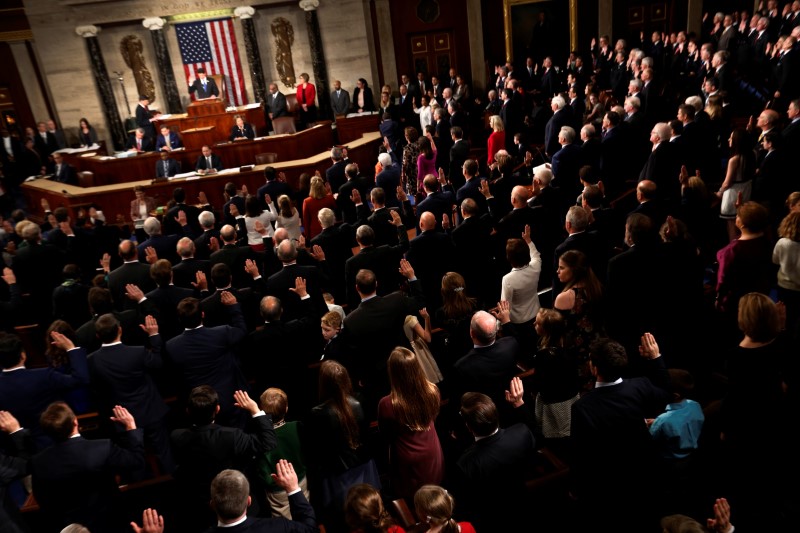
[208,162]
[204,86]
[241,131]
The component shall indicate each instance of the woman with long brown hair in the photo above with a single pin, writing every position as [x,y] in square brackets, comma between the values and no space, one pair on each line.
[365,512]
[454,316]
[434,507]
[405,419]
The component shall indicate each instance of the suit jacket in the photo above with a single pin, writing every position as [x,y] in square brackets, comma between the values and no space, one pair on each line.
[279,283]
[388,179]
[473,247]
[245,133]
[276,104]
[192,229]
[340,102]
[303,520]
[438,203]
[165,246]
[235,257]
[211,88]
[335,174]
[216,163]
[487,369]
[204,356]
[26,393]
[550,84]
[147,143]
[67,175]
[133,272]
[166,168]
[174,141]
[166,300]
[557,121]
[383,260]
[45,148]
[121,374]
[566,163]
[662,167]
[184,273]
[275,189]
[38,270]
[432,255]
[459,153]
[74,480]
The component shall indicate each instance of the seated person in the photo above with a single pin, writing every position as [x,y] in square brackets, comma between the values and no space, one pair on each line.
[168,140]
[241,131]
[62,172]
[139,142]
[208,162]
[167,167]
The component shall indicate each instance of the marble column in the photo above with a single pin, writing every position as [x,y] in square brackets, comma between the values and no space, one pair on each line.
[245,14]
[115,126]
[317,57]
[168,85]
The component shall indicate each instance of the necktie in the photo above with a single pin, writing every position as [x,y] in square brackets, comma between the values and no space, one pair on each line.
[422,86]
[138,144]
[208,163]
[165,168]
[760,138]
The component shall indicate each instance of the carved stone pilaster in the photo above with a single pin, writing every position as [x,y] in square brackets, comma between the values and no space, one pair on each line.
[103,82]
[317,57]
[168,84]
[245,14]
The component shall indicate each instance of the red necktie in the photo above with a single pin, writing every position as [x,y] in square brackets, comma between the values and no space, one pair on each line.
[138,144]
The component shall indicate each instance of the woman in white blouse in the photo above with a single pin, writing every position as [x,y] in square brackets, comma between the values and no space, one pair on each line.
[288,217]
[253,213]
[424,112]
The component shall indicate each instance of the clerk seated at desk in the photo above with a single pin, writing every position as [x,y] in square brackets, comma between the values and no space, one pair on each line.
[138,142]
[62,172]
[167,167]
[241,131]
[204,86]
[168,140]
[208,162]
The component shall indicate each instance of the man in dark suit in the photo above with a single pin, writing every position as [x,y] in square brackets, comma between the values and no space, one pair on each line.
[27,392]
[101,303]
[208,162]
[436,201]
[165,246]
[232,255]
[203,86]
[432,255]
[381,260]
[204,356]
[791,133]
[167,167]
[566,163]
[550,83]
[130,272]
[490,365]
[649,202]
[375,327]
[282,283]
[580,238]
[207,448]
[187,224]
[74,480]
[499,457]
[230,499]
[337,243]
[471,188]
[62,172]
[389,129]
[121,376]
[443,139]
[184,272]
[459,153]
[37,266]
[561,117]
[275,186]
[276,103]
[357,182]
[139,142]
[663,165]
[615,153]
[405,108]
[144,120]
[609,435]
[168,140]
[380,220]
[335,174]
[388,179]
[215,312]
[44,142]
[473,249]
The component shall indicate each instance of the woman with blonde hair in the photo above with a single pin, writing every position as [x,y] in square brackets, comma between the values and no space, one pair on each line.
[365,513]
[786,255]
[406,420]
[288,217]
[434,507]
[319,197]
[497,139]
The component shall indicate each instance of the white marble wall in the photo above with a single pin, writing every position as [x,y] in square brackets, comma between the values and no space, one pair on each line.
[67,71]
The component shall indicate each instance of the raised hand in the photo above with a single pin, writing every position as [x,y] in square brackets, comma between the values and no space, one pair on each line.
[133,292]
[683,177]
[150,326]
[355,197]
[181,218]
[267,199]
[150,255]
[442,178]
[396,220]
[152,522]
[649,347]
[227,298]
[299,287]
[213,244]
[8,423]
[251,268]
[122,416]
[401,194]
[105,263]
[515,392]
[445,221]
[485,189]
[285,476]
[317,253]
[244,401]
[61,341]
[526,235]
[8,276]
[502,312]
[233,210]
[721,522]
[406,270]
[259,227]
[202,283]
[282,176]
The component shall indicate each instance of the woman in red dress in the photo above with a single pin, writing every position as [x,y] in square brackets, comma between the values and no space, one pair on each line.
[306,96]
[497,140]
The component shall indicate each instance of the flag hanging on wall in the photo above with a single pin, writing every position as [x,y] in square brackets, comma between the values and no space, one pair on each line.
[211,44]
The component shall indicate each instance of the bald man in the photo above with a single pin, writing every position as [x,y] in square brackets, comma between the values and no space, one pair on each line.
[130,272]
[432,255]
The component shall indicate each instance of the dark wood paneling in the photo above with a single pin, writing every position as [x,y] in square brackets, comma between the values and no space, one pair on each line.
[9,77]
[452,17]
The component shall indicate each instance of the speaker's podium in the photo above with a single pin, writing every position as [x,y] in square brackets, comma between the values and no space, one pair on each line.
[203,132]
[202,108]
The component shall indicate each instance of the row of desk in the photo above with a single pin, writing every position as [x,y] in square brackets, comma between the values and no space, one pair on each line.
[115,198]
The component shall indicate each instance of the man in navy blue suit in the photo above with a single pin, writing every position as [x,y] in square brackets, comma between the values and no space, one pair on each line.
[204,86]
[566,163]
[562,116]
[27,392]
[436,201]
[168,140]
[122,376]
[167,167]
[62,172]
[204,356]
[165,246]
[74,480]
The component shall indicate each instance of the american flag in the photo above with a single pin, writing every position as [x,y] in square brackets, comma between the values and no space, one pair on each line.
[211,44]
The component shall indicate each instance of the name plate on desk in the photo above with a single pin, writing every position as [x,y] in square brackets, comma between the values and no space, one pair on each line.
[246,168]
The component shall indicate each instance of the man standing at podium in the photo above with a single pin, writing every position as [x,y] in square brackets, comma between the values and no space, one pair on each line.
[204,86]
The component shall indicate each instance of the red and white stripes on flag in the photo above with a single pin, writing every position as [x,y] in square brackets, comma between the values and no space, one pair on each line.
[212,45]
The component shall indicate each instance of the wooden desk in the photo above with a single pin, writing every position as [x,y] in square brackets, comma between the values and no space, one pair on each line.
[350,129]
[115,199]
[233,154]
[223,122]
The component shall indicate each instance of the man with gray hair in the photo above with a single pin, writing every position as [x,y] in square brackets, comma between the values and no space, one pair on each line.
[38,267]
[663,164]
[490,365]
[561,117]
[139,142]
[334,175]
[566,163]
[337,244]
[159,246]
[203,243]
[230,498]
[388,179]
[576,223]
